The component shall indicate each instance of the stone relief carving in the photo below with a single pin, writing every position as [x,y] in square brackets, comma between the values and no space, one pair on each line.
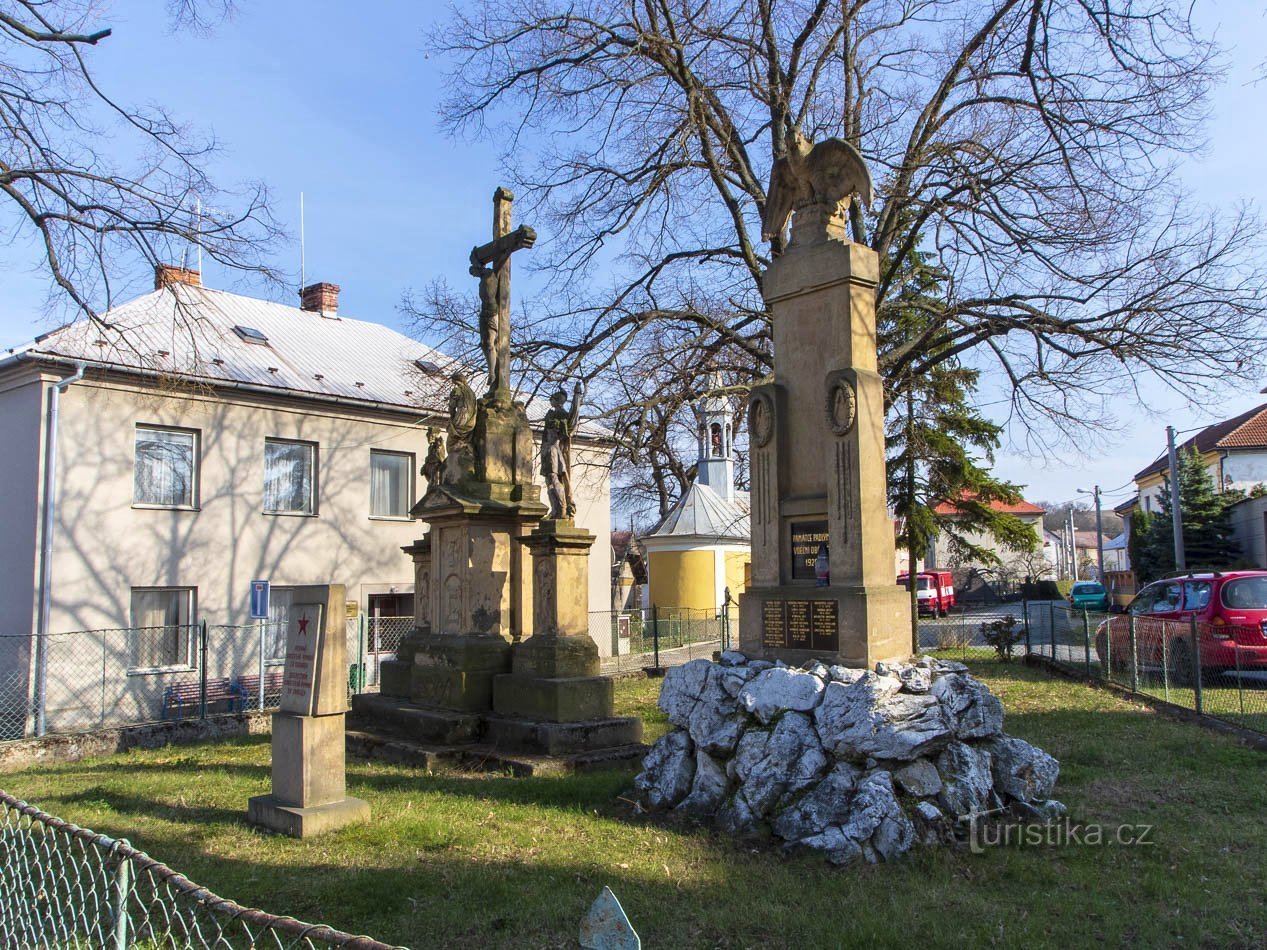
[842,405]
[761,418]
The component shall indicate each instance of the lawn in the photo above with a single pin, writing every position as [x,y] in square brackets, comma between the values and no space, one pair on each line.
[461,860]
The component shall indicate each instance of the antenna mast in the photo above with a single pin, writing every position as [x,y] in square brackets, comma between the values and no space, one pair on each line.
[301,241]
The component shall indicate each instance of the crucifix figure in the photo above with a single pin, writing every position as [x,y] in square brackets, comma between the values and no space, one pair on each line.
[491,264]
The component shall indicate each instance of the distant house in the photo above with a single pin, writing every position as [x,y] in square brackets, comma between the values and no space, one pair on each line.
[940,556]
[1234,452]
[629,571]
[216,440]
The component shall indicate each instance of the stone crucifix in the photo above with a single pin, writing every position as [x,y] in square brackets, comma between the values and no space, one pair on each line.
[491,264]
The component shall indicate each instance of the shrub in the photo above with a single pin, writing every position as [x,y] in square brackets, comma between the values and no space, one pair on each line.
[1003,634]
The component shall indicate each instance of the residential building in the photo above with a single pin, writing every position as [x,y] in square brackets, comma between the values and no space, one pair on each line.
[941,555]
[216,439]
[1234,451]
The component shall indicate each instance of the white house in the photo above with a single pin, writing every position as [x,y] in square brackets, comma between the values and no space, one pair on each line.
[212,440]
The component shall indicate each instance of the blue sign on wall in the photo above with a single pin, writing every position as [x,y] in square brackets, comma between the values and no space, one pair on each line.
[259,600]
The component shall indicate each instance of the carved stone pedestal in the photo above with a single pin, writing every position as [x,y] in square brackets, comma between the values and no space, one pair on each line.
[555,674]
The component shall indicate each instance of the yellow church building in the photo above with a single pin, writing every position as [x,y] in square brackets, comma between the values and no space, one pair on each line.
[702,547]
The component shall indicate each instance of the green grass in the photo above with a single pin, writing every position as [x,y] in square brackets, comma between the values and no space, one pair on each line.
[475,861]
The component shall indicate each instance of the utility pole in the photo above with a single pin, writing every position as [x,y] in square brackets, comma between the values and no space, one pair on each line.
[1073,547]
[1099,529]
[1176,515]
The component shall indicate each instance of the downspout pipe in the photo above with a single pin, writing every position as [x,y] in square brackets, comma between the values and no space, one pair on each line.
[47,512]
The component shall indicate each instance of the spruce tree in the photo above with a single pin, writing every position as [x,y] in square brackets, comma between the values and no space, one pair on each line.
[1207,532]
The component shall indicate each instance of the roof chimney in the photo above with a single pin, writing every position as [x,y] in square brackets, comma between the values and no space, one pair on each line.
[320,298]
[165,275]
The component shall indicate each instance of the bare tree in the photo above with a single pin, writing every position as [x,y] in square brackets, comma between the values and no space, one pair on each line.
[63,181]
[1027,148]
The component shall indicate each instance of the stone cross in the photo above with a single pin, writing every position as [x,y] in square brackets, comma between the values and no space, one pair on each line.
[491,264]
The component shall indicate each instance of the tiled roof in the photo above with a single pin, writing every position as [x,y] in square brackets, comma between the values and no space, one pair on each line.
[1019,508]
[702,513]
[1246,431]
[187,331]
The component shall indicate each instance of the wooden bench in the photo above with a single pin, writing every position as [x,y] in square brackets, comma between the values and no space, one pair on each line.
[249,685]
[188,693]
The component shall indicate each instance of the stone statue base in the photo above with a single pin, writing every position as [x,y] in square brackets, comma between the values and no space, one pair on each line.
[850,626]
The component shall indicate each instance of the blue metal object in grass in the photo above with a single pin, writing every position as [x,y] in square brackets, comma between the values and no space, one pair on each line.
[606,927]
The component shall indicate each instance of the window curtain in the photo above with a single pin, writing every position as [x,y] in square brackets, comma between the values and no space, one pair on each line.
[288,477]
[164,469]
[389,484]
[160,620]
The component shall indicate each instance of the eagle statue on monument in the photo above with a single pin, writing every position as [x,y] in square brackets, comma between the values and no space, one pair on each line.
[828,175]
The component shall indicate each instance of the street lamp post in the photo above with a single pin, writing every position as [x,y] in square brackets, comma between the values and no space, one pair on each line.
[1099,529]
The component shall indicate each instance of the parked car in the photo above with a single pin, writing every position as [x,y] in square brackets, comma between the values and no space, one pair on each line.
[935,591]
[1089,595]
[1228,610]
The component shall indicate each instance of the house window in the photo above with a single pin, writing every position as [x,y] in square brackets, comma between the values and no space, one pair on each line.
[391,484]
[290,470]
[164,473]
[161,635]
[280,600]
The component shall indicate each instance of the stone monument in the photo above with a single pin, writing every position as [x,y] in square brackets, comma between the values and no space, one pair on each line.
[823,577]
[500,653]
[309,794]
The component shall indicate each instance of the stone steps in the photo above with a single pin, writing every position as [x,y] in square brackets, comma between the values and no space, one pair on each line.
[389,746]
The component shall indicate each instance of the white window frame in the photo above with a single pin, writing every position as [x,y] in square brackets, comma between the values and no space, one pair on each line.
[410,498]
[194,466]
[277,624]
[314,462]
[181,664]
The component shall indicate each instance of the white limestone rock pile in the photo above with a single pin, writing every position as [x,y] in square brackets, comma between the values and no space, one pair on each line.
[855,763]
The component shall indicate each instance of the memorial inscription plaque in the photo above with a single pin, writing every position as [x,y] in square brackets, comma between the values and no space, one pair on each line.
[303,645]
[801,624]
[806,537]
[773,623]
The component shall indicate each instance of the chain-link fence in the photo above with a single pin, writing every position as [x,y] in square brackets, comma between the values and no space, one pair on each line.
[663,636]
[125,676]
[1215,669]
[974,632]
[66,886]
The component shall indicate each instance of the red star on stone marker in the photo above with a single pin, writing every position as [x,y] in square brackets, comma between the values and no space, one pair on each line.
[303,626]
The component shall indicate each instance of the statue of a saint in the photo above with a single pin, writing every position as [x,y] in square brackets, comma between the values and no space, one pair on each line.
[433,465]
[556,452]
[462,413]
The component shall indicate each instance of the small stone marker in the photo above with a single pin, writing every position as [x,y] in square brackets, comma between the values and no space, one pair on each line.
[606,927]
[309,793]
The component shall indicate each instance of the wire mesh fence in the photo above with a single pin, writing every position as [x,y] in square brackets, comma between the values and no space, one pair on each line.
[66,886]
[99,679]
[1216,669]
[973,632]
[660,636]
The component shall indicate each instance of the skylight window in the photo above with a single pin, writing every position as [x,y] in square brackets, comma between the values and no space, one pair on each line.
[427,366]
[251,335]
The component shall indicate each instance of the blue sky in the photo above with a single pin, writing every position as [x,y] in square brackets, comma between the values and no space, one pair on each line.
[339,101]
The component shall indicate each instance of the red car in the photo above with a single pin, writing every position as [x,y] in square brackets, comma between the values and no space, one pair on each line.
[1230,610]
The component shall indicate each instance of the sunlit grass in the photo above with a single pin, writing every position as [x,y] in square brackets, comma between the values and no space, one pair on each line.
[466,860]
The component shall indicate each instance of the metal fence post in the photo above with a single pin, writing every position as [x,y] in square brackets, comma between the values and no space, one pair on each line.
[1199,699]
[202,663]
[1051,628]
[1086,641]
[655,633]
[259,700]
[119,904]
[1134,658]
[361,626]
[103,679]
[1025,615]
[1240,687]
